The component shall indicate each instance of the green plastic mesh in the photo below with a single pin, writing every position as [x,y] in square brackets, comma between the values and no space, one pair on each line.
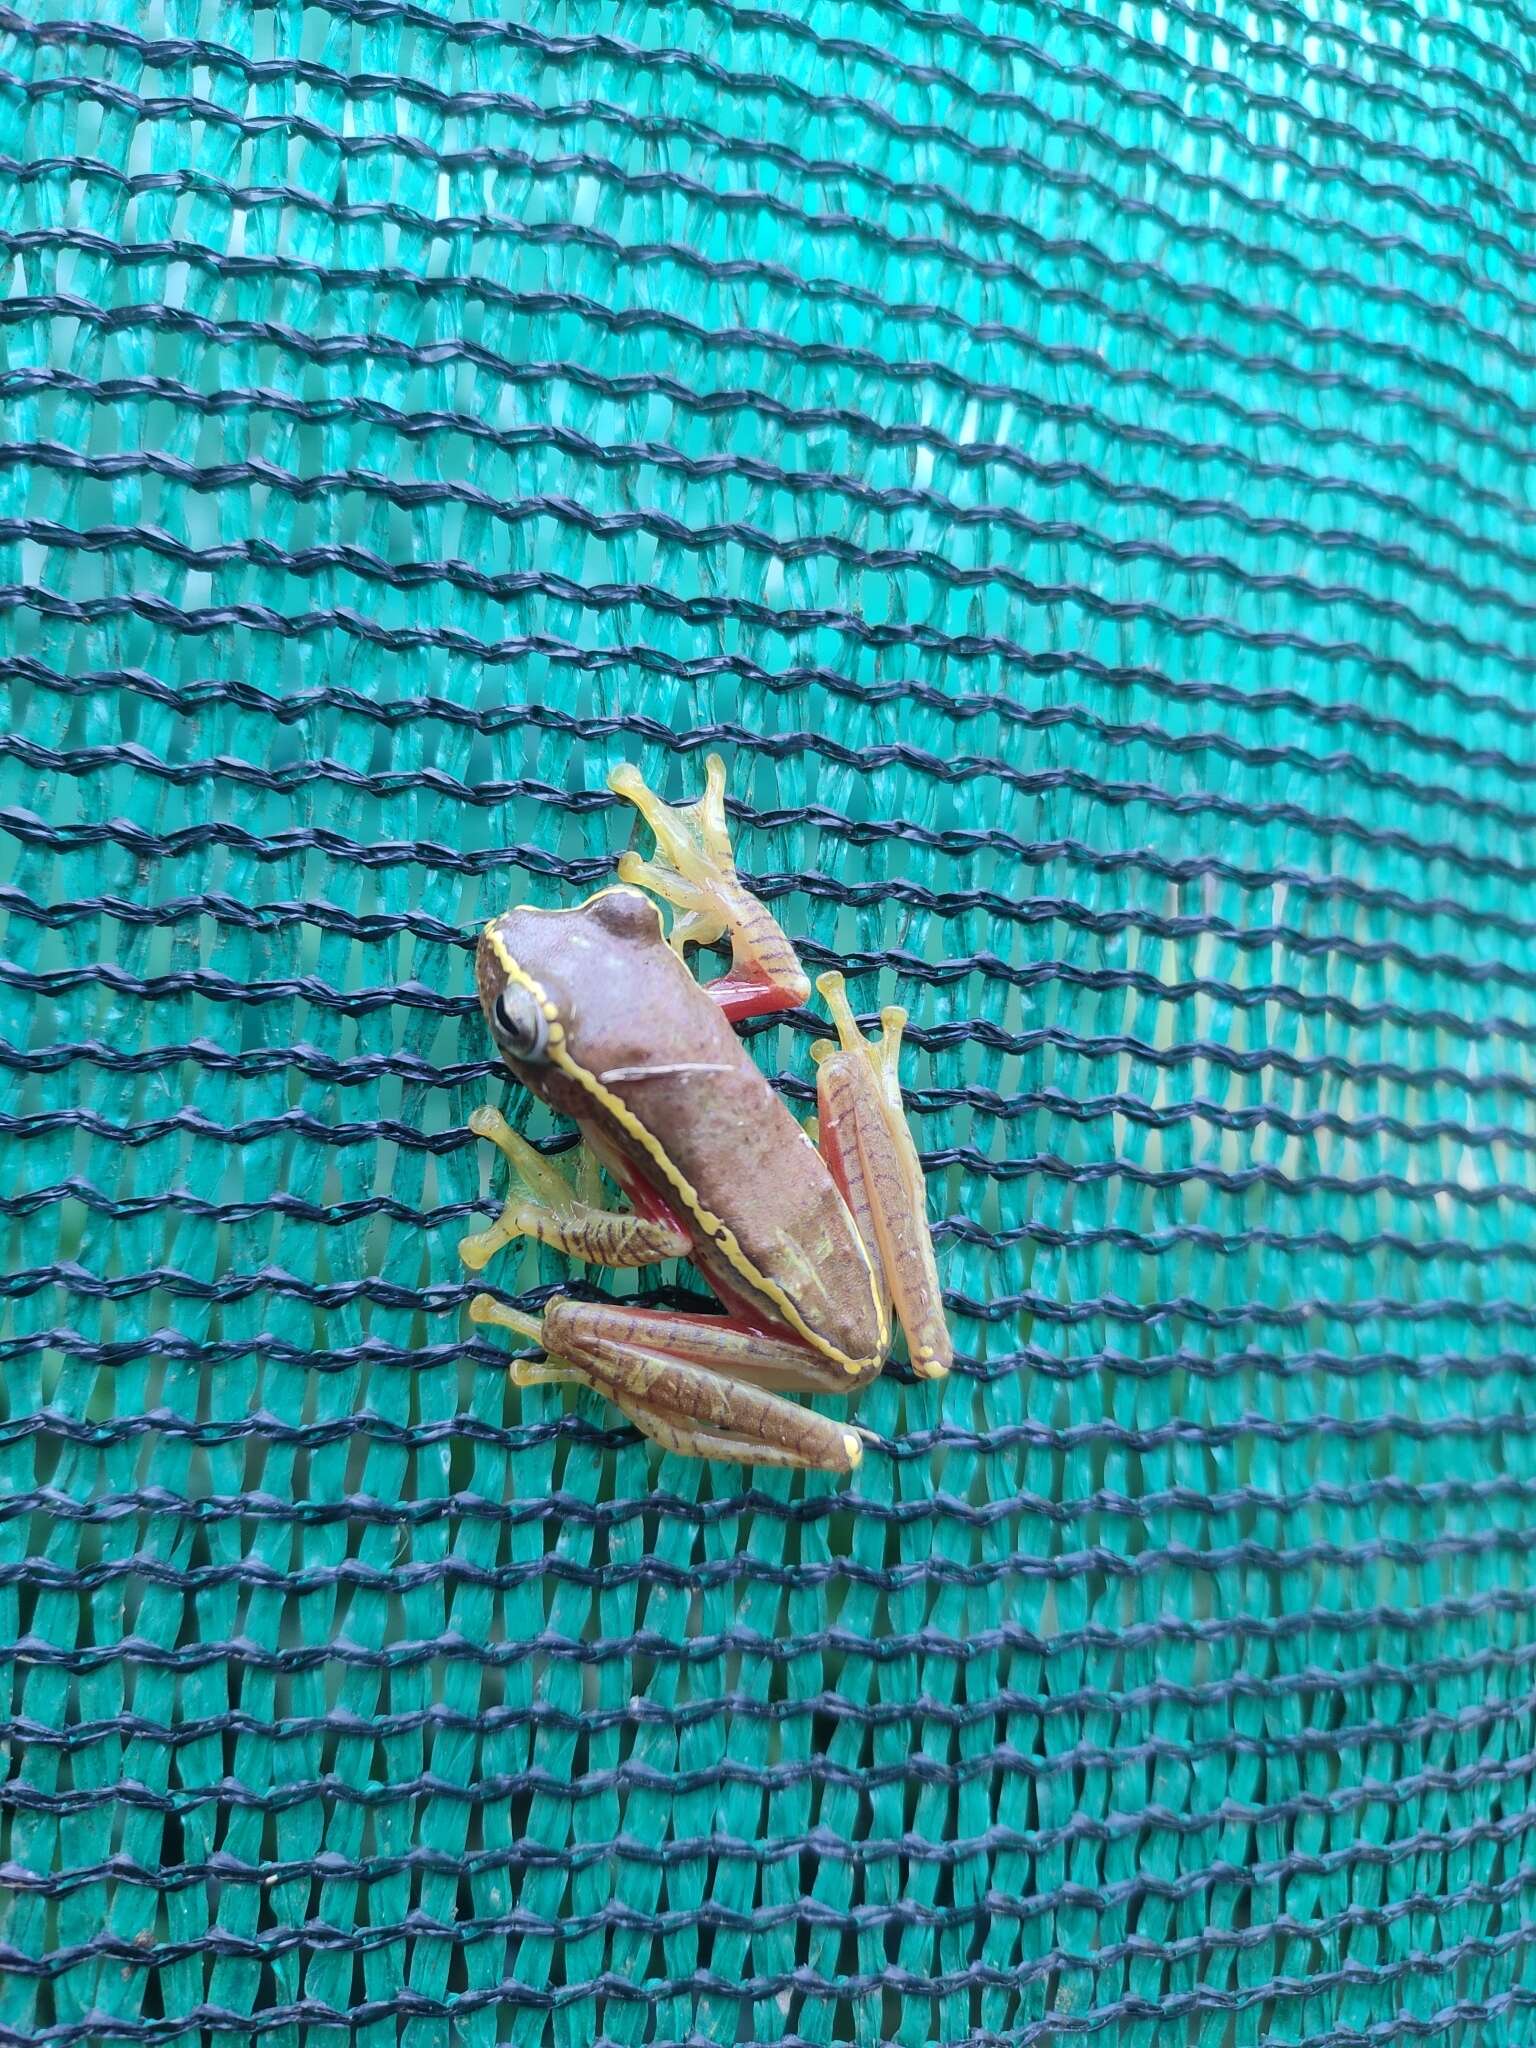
[1075,463]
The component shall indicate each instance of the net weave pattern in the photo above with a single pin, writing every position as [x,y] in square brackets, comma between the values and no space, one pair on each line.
[1074,461]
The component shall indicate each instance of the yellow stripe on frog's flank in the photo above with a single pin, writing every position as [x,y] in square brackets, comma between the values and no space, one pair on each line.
[724,1240]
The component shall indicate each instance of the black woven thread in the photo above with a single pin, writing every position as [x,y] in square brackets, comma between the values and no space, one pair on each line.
[1175,1674]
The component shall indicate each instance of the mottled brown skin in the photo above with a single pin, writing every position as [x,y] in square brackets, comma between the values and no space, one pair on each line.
[630,1008]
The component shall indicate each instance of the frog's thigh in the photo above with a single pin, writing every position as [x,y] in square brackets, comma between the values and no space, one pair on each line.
[721,1345]
[689,1406]
[878,1172]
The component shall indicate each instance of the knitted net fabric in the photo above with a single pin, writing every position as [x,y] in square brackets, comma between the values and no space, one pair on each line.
[1074,463]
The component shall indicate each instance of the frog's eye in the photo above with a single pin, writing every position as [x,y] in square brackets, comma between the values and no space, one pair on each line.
[518,1024]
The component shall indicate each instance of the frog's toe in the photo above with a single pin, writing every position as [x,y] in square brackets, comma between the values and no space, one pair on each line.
[685,839]
[486,1309]
[477,1251]
[693,842]
[700,921]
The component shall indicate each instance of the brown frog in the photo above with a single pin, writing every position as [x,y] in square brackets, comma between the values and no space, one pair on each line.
[809,1246]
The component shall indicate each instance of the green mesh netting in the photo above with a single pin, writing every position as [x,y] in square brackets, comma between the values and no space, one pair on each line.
[1075,462]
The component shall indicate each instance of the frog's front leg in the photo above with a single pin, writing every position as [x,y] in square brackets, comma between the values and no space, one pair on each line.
[695,871]
[863,1134]
[541,1203]
[700,1385]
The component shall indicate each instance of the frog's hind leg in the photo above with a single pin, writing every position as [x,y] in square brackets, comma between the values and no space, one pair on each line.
[702,1385]
[541,1203]
[694,1384]
[864,1137]
[694,870]
[809,1444]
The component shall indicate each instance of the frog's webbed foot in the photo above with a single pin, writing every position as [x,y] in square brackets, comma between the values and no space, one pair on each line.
[694,870]
[541,1203]
[864,1134]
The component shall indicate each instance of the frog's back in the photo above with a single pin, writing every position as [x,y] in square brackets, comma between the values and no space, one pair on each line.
[647,1060]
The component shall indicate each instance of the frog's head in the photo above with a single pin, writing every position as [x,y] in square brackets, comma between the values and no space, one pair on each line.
[550,980]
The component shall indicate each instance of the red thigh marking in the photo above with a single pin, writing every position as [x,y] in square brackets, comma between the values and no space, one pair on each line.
[832,1156]
[740,997]
[645,1199]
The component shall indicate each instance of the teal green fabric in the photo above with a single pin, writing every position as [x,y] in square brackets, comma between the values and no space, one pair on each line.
[1074,462]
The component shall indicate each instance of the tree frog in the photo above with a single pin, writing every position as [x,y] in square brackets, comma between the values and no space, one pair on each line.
[809,1244]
